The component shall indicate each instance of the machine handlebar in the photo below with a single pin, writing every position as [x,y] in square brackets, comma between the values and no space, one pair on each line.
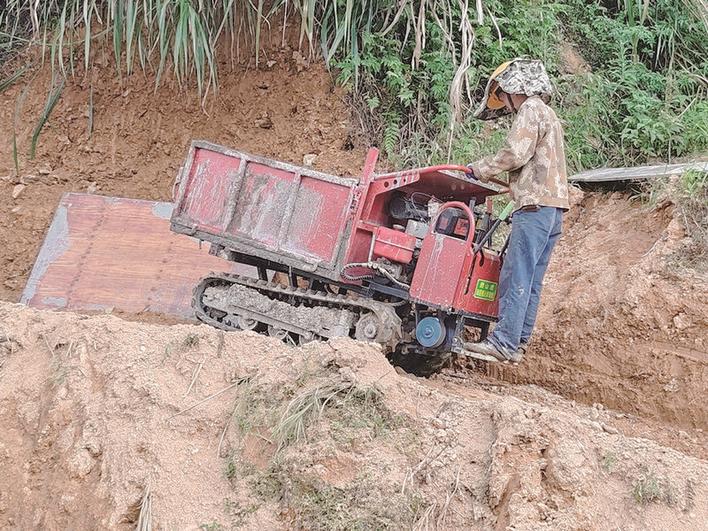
[463,169]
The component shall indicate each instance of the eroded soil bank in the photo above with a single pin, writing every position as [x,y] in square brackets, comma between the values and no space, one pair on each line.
[106,422]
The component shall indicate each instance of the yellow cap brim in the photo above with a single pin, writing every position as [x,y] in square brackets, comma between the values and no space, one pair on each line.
[493,102]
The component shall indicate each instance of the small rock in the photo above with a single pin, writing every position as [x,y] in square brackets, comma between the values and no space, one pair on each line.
[81,464]
[683,434]
[91,189]
[596,425]
[437,423]
[264,122]
[681,321]
[672,386]
[609,429]
[17,190]
[67,502]
[309,159]
[16,210]
[347,374]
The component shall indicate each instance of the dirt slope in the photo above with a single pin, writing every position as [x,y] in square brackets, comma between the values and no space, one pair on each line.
[621,323]
[140,138]
[223,431]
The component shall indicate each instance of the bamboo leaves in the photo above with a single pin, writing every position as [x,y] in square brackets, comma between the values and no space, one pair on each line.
[52,100]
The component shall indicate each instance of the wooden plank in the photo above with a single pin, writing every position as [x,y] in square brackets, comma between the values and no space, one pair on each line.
[104,253]
[636,173]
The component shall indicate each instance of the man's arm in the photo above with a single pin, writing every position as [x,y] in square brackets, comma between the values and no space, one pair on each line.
[518,148]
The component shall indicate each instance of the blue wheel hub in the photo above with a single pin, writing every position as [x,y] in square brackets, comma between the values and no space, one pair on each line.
[430,332]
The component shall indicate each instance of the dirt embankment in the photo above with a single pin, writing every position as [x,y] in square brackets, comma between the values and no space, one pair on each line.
[621,323]
[139,138]
[106,422]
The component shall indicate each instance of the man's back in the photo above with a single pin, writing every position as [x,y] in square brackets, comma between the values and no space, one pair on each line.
[543,180]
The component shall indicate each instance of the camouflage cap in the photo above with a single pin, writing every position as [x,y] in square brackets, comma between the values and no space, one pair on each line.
[518,76]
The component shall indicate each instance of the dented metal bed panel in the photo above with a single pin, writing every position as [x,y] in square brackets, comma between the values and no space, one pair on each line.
[104,253]
[263,207]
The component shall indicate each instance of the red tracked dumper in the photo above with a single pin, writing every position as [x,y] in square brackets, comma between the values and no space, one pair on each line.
[401,259]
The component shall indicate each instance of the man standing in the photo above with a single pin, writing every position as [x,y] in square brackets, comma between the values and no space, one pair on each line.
[534,156]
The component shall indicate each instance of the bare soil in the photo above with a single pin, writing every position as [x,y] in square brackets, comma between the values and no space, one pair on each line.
[621,324]
[100,414]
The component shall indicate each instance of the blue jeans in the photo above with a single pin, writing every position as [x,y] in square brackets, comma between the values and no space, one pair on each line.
[533,236]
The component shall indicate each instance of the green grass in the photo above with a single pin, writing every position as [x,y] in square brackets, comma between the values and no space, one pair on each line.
[609,462]
[12,79]
[646,489]
[52,100]
[415,70]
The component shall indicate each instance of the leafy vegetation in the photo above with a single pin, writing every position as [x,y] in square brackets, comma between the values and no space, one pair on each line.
[642,96]
[416,69]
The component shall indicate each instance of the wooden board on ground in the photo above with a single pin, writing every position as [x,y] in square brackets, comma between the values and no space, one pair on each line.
[109,253]
[636,173]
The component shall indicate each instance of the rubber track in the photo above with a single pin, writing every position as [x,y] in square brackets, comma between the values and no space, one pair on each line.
[384,311]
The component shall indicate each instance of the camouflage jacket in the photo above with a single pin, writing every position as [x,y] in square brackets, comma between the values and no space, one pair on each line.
[534,156]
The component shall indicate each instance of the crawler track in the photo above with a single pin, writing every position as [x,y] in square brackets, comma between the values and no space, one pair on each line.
[235,302]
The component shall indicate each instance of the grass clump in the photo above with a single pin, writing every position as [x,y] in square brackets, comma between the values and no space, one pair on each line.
[646,489]
[359,505]
[349,408]
[362,412]
[609,461]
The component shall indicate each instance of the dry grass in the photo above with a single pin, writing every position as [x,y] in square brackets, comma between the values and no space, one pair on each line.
[145,515]
[646,489]
[303,409]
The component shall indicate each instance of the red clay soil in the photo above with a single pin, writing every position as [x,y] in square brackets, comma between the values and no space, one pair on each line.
[622,324]
[140,138]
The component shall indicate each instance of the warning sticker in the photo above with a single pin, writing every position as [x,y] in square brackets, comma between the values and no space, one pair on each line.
[485,290]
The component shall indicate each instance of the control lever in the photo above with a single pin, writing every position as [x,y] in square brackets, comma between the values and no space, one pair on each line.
[488,235]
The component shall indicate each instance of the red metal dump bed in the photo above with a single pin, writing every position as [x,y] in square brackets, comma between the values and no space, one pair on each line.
[264,208]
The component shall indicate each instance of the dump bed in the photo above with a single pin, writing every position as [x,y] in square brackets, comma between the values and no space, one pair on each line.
[264,208]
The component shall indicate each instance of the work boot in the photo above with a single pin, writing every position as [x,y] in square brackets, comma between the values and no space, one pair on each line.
[490,349]
[523,347]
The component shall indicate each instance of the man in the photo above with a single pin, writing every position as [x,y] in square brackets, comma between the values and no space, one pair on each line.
[534,156]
